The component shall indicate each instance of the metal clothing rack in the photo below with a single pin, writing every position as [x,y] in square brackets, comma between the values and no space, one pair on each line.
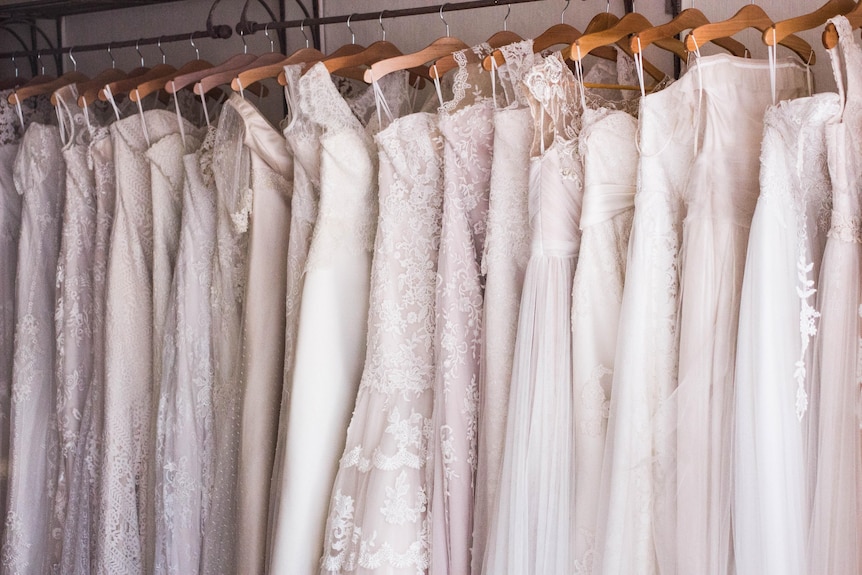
[247,27]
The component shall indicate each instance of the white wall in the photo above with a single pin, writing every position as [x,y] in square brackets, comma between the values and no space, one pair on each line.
[409,34]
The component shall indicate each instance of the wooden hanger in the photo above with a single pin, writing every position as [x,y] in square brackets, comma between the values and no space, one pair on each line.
[749,16]
[830,34]
[815,19]
[688,19]
[88,90]
[254,75]
[440,47]
[38,88]
[126,85]
[354,65]
[631,23]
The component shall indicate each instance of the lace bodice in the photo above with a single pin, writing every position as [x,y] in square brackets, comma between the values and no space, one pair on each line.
[520,58]
[552,94]
[37,109]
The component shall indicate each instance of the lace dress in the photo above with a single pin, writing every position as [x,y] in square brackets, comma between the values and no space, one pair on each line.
[82,519]
[504,263]
[39,174]
[330,340]
[230,168]
[263,328]
[532,531]
[720,198]
[835,536]
[378,519]
[74,313]
[11,131]
[302,136]
[777,321]
[185,446]
[466,124]
[608,148]
[126,534]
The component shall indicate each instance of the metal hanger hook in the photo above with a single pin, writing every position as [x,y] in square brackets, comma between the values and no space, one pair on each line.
[72,58]
[380,21]
[608,7]
[41,63]
[111,56]
[192,42]
[442,7]
[563,13]
[304,35]
[164,56]
[14,63]
[138,50]
[352,33]
[271,42]
[244,45]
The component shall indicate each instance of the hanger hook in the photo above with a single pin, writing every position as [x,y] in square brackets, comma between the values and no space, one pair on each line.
[41,63]
[138,50]
[304,35]
[192,42]
[380,21]
[159,44]
[352,33]
[271,42]
[442,7]
[14,63]
[244,45]
[506,17]
[608,7]
[111,56]
[566,7]
[72,58]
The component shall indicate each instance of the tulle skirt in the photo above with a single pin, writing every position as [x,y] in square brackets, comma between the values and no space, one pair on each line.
[532,530]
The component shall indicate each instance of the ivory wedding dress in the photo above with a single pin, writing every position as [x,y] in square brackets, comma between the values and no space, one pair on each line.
[378,518]
[39,175]
[504,263]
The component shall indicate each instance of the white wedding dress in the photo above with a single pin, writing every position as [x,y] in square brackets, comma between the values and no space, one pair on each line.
[835,535]
[720,197]
[531,532]
[608,146]
[777,321]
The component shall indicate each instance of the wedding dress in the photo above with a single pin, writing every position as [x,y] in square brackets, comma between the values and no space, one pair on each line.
[126,533]
[777,320]
[39,175]
[720,197]
[82,520]
[74,315]
[378,518]
[263,328]
[11,131]
[230,169]
[531,532]
[185,447]
[504,263]
[302,137]
[835,536]
[466,125]
[608,146]
[332,320]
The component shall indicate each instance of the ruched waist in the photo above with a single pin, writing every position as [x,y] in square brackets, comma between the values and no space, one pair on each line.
[604,201]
